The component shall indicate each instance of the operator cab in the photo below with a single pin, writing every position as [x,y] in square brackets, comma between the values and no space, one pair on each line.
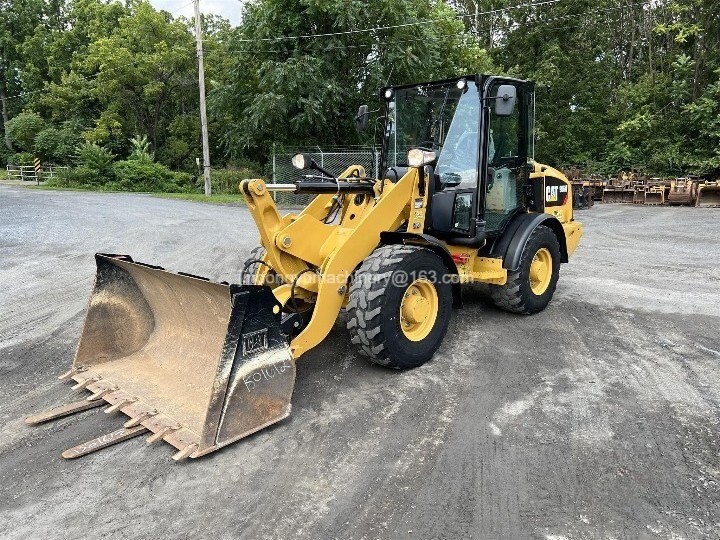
[480,129]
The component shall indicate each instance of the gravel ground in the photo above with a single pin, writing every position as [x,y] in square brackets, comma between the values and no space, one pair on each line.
[597,418]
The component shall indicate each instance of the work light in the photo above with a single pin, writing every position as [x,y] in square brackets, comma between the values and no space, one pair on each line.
[418,158]
[301,161]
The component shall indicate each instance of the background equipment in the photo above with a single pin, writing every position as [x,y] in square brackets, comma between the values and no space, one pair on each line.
[683,191]
[708,194]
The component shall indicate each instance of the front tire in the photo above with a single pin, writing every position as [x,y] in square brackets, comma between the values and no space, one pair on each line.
[399,306]
[530,288]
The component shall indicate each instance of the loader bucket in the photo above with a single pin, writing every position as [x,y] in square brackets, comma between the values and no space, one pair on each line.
[683,193]
[627,196]
[680,198]
[708,196]
[199,364]
[612,196]
[654,198]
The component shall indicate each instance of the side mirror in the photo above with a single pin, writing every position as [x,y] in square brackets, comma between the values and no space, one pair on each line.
[505,100]
[361,120]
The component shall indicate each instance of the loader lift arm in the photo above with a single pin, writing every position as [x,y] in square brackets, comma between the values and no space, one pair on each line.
[302,242]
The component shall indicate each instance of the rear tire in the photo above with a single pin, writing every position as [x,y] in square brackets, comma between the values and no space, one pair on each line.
[529,289]
[399,307]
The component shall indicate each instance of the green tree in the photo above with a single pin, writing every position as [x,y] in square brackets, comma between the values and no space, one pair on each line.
[305,90]
[145,69]
[18,19]
[58,145]
[21,130]
[620,85]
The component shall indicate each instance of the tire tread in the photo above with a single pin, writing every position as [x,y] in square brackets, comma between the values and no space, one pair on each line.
[511,297]
[365,305]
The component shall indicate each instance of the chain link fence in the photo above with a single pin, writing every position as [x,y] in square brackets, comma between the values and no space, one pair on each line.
[333,159]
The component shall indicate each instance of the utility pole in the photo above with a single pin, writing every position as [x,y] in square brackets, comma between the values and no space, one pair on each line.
[477,20]
[203,109]
[490,36]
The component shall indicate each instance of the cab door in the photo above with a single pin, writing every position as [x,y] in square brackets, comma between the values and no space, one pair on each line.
[506,155]
[454,201]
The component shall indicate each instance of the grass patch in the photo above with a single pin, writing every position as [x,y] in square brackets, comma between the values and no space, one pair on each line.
[222,198]
[54,188]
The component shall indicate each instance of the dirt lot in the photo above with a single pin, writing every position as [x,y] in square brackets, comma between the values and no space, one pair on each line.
[597,418]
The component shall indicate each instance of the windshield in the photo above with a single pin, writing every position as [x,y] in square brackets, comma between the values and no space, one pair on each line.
[443,118]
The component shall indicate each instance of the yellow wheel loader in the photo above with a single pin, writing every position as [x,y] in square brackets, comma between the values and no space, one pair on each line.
[459,200]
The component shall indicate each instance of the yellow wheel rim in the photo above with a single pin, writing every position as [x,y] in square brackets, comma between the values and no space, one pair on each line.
[541,269]
[418,310]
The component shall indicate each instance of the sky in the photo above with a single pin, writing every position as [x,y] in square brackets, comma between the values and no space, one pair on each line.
[230,9]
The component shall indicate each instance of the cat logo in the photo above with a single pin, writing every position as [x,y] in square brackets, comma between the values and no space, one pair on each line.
[552,192]
[254,341]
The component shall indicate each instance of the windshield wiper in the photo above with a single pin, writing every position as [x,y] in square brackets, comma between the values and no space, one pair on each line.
[436,124]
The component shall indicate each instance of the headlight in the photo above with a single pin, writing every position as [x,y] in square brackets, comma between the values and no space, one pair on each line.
[418,158]
[301,161]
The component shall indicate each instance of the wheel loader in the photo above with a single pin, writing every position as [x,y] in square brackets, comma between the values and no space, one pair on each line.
[459,201]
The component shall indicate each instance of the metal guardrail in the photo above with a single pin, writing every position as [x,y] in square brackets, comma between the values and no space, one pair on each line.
[27,173]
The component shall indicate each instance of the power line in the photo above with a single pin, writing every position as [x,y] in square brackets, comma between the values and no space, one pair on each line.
[392,27]
[457,34]
[378,44]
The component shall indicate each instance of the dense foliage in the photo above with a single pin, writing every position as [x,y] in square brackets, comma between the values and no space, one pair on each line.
[110,87]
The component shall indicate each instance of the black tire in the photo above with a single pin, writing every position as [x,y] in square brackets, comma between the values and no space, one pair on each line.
[376,293]
[517,296]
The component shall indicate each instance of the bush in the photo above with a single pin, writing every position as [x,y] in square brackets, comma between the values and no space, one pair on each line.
[80,177]
[21,158]
[46,143]
[4,154]
[174,153]
[130,175]
[141,150]
[23,129]
[95,157]
[228,180]
[133,175]
[57,145]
